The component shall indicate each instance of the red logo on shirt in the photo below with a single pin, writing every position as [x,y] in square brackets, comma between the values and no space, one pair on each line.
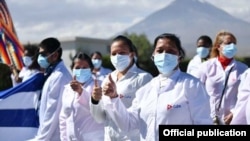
[169,106]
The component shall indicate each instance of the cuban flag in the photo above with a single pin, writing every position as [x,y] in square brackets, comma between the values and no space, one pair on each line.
[19,110]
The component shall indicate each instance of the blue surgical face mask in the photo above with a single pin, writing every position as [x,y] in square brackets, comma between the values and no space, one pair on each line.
[165,62]
[229,51]
[82,75]
[202,52]
[27,61]
[120,62]
[43,61]
[97,63]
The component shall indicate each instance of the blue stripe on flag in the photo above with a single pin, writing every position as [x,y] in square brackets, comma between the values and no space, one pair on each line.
[18,105]
[26,118]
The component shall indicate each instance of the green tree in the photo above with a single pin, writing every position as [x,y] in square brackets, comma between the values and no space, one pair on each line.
[5,77]
[142,44]
[144,49]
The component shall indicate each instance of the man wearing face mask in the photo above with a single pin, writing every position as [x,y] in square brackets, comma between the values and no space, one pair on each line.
[204,45]
[128,79]
[57,75]
[31,67]
[221,76]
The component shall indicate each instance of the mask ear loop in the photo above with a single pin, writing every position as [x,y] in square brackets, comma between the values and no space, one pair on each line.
[152,57]
[53,52]
[180,56]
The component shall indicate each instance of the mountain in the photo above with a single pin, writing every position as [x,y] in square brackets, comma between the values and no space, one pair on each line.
[189,19]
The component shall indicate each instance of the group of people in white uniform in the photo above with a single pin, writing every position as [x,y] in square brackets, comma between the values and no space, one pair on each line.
[93,103]
[224,77]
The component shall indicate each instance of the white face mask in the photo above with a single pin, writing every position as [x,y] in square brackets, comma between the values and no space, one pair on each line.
[165,62]
[97,63]
[27,61]
[120,62]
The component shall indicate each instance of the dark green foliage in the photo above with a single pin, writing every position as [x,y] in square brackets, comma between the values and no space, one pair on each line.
[245,60]
[145,50]
[183,65]
[106,62]
[5,77]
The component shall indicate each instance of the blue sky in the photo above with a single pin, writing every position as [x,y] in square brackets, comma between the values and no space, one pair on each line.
[38,19]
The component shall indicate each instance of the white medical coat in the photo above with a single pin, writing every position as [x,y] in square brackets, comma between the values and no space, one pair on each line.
[194,65]
[239,112]
[27,74]
[126,88]
[51,101]
[75,118]
[102,73]
[179,99]
[247,111]
[212,74]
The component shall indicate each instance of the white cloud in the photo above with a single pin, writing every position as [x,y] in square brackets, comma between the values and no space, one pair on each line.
[35,20]
[88,29]
[69,30]
[237,8]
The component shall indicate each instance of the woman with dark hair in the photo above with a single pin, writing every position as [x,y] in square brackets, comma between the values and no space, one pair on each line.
[173,97]
[76,122]
[31,66]
[128,78]
[99,71]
